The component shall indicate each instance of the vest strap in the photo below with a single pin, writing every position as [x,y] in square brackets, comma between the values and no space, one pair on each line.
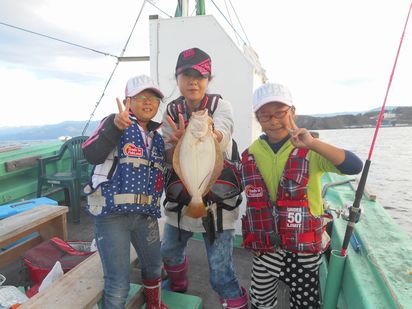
[303,237]
[137,161]
[129,198]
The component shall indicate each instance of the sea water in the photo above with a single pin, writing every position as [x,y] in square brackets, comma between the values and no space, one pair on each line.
[390,171]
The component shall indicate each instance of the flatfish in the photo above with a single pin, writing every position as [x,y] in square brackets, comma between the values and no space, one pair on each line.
[198,161]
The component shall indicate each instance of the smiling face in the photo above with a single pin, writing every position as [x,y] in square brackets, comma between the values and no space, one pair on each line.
[192,86]
[144,106]
[274,120]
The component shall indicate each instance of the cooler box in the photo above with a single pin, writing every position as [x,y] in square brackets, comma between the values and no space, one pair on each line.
[8,210]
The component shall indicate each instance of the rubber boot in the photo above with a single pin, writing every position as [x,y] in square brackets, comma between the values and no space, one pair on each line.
[177,276]
[236,303]
[151,290]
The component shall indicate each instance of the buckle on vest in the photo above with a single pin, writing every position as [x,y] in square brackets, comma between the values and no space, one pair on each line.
[142,199]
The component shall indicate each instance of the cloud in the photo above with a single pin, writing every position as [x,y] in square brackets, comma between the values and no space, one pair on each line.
[335,56]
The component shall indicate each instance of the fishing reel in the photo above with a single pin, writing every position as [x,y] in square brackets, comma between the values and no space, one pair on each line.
[355,211]
[345,212]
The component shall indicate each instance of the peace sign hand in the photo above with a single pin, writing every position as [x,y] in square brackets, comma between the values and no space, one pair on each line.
[301,138]
[177,132]
[121,120]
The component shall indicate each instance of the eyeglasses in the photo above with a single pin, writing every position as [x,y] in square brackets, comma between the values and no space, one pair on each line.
[141,99]
[276,115]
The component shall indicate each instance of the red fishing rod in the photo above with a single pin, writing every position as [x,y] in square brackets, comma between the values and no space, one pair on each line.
[361,186]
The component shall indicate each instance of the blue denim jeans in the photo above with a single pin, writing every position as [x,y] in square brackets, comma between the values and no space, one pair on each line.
[113,235]
[219,254]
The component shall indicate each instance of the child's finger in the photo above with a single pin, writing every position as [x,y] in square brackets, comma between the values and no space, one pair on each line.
[181,122]
[119,105]
[172,123]
[292,122]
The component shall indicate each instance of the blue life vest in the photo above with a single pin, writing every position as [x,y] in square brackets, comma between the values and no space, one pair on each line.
[137,183]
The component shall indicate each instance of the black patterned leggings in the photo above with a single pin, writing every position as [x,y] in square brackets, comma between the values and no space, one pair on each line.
[300,272]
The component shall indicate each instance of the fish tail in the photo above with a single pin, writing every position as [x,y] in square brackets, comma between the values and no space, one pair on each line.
[196,210]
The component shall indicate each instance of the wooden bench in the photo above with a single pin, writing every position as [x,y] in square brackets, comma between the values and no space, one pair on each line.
[82,287]
[47,220]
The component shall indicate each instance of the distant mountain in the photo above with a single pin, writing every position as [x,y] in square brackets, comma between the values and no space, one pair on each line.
[378,109]
[53,131]
[334,114]
[395,116]
[398,116]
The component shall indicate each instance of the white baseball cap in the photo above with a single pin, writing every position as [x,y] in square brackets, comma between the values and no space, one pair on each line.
[139,83]
[271,92]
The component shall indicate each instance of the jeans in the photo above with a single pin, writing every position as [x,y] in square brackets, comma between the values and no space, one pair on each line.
[113,235]
[219,254]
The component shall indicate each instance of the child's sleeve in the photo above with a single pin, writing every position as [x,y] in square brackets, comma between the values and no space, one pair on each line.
[352,165]
[102,141]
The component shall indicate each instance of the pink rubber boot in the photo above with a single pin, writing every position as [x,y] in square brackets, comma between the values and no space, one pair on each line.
[178,276]
[235,303]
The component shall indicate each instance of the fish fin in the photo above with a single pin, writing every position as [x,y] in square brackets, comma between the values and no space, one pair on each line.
[196,210]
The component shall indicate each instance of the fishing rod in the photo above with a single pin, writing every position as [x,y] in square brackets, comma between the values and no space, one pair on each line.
[354,211]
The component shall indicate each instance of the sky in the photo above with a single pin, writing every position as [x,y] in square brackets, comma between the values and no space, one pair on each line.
[335,56]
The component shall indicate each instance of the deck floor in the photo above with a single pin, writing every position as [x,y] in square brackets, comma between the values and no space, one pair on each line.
[198,271]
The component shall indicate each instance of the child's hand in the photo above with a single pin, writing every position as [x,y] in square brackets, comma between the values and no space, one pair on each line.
[301,138]
[177,132]
[121,120]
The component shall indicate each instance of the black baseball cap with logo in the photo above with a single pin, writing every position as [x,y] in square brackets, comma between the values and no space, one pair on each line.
[196,59]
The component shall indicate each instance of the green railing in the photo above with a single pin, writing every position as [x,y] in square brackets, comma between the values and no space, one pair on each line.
[18,171]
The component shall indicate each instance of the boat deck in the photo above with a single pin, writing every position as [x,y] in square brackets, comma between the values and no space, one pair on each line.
[198,271]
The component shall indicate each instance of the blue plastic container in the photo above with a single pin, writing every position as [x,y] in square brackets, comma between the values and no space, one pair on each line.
[8,210]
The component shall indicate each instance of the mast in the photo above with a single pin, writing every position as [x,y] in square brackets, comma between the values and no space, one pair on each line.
[182,8]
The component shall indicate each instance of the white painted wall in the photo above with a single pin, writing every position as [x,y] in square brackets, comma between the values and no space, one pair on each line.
[232,72]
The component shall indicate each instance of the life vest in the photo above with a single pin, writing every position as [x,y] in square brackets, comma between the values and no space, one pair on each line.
[293,227]
[259,229]
[228,184]
[178,106]
[137,182]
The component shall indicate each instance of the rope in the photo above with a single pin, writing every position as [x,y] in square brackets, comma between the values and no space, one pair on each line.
[59,40]
[228,21]
[150,2]
[114,69]
[231,22]
[238,20]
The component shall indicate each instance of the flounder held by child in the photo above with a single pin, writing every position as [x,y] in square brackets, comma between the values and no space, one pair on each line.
[198,161]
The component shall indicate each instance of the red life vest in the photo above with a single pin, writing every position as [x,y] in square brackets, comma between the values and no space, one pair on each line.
[295,228]
[259,229]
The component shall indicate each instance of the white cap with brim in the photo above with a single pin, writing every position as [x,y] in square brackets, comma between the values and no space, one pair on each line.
[139,83]
[271,92]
